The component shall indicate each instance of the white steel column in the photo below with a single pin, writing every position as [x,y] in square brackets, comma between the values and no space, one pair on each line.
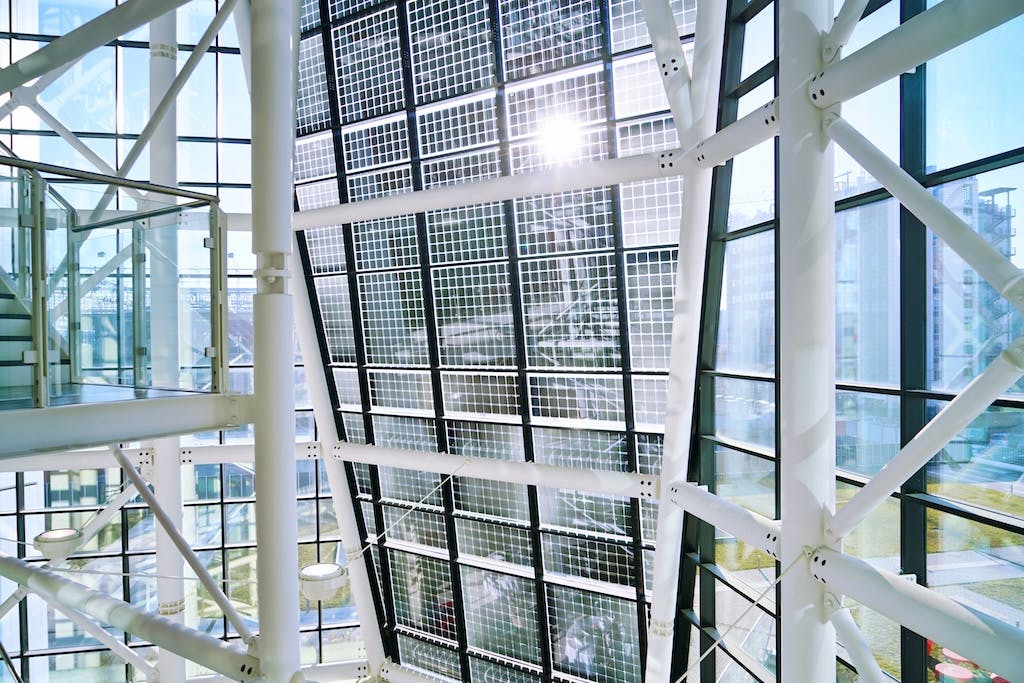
[806,372]
[163,240]
[274,48]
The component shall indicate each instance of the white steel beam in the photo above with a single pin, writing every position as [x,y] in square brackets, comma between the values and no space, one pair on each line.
[857,648]
[925,36]
[274,45]
[92,424]
[107,640]
[213,653]
[989,642]
[806,368]
[687,305]
[355,670]
[93,458]
[242,452]
[84,39]
[996,269]
[534,474]
[90,283]
[746,525]
[341,496]
[971,402]
[675,72]
[842,28]
[396,673]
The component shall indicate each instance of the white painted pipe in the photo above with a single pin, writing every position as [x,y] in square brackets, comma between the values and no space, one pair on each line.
[994,267]
[341,495]
[925,36]
[209,583]
[746,525]
[842,28]
[530,473]
[971,402]
[753,129]
[111,643]
[987,641]
[857,648]
[675,72]
[806,368]
[89,283]
[243,28]
[84,39]
[396,673]
[213,653]
[561,179]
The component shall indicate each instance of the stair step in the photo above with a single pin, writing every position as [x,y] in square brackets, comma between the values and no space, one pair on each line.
[13,346]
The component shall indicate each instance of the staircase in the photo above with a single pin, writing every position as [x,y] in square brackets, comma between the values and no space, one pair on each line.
[15,340]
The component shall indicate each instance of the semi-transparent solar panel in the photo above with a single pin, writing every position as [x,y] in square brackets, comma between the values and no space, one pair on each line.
[326,248]
[571,309]
[555,398]
[629,30]
[461,168]
[588,512]
[501,614]
[363,482]
[422,590]
[557,105]
[494,542]
[392,309]
[490,672]
[649,448]
[355,429]
[458,124]
[500,500]
[312,108]
[582,220]
[594,636]
[346,381]
[469,233]
[474,316]
[410,433]
[433,660]
[648,521]
[379,183]
[410,486]
[591,559]
[552,35]
[370,517]
[649,393]
[401,391]
[386,243]
[415,526]
[650,209]
[536,154]
[342,8]
[451,47]
[309,14]
[314,157]
[368,59]
[336,310]
[650,286]
[485,440]
[480,394]
[318,195]
[581,449]
[638,87]
[377,143]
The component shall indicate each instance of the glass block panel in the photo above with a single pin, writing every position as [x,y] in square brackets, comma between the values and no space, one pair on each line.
[495,542]
[588,559]
[541,108]
[485,440]
[571,310]
[537,39]
[461,168]
[629,29]
[451,47]
[415,526]
[346,382]
[473,233]
[581,449]
[422,591]
[571,400]
[376,143]
[473,306]
[650,396]
[318,195]
[501,614]
[589,512]
[746,322]
[326,247]
[570,221]
[401,390]
[312,108]
[650,286]
[638,86]
[392,310]
[368,60]
[433,660]
[477,394]
[314,157]
[412,433]
[459,124]
[332,294]
[593,636]
[379,183]
[386,243]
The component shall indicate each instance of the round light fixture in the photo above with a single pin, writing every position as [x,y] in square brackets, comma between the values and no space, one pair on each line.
[322,581]
[57,544]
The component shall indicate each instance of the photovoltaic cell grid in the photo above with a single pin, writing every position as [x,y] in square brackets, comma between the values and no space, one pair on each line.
[499,500]
[593,636]
[392,308]
[342,8]
[326,247]
[433,660]
[582,400]
[461,168]
[578,99]
[451,50]
[312,108]
[471,233]
[414,526]
[386,243]
[410,433]
[318,195]
[368,60]
[552,35]
[651,209]
[486,440]
[489,672]
[309,14]
[494,542]
[355,430]
[581,449]
[379,183]
[649,400]
[401,391]
[346,380]
[582,220]
[586,512]
[589,559]
[650,287]
[422,590]
[629,30]
[314,158]
[535,155]
[638,86]
[336,310]
[461,124]
[480,394]
[473,306]
[501,614]
[380,143]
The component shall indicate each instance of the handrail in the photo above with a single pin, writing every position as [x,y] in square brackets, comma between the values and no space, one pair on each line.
[140,215]
[106,179]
